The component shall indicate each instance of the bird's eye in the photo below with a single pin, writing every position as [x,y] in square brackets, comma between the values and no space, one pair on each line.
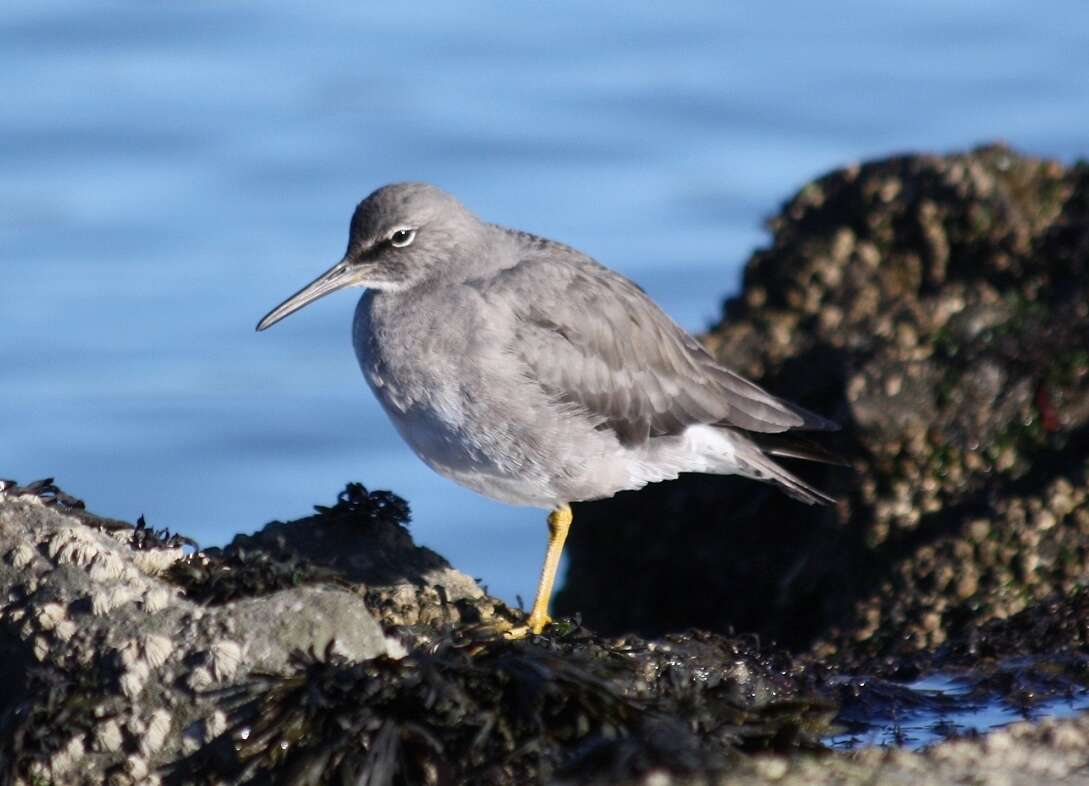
[402,237]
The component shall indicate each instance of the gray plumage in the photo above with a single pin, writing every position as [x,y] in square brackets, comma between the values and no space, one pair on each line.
[525,370]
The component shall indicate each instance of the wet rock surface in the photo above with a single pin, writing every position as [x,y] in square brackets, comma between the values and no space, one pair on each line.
[1021,755]
[936,306]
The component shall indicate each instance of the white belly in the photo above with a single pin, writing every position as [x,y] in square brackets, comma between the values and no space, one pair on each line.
[470,461]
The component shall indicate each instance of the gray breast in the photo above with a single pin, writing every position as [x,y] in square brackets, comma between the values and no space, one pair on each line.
[428,367]
[403,354]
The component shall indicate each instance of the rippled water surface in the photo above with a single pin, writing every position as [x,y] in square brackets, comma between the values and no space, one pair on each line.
[945,705]
[168,172]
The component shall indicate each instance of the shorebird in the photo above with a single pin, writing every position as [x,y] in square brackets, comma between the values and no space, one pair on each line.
[523,369]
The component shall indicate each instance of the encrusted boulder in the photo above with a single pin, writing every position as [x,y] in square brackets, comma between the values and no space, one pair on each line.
[115,651]
[938,308]
[332,648]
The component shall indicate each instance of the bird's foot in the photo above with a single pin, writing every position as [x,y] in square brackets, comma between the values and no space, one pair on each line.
[535,625]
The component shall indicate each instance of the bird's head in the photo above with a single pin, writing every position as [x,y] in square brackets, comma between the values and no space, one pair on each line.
[402,235]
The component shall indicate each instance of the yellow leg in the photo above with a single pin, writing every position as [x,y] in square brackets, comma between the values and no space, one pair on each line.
[559,521]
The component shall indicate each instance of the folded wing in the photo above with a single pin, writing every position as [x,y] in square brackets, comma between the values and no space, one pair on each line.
[592,339]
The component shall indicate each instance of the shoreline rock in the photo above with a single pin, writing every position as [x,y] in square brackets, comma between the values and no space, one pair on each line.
[938,308]
[126,678]
[279,654]
[119,658]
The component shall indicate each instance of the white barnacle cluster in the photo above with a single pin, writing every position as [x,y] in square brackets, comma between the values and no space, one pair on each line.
[100,599]
[224,658]
[139,657]
[21,556]
[151,734]
[199,679]
[150,561]
[108,597]
[62,765]
[203,731]
[157,649]
[221,662]
[157,598]
[81,546]
[74,545]
[52,617]
[154,562]
[214,725]
[43,625]
[48,615]
[155,733]
[134,678]
[118,578]
[138,771]
[108,737]
[108,566]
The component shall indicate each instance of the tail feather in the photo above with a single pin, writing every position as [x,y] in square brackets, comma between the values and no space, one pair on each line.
[726,451]
[795,447]
[754,462]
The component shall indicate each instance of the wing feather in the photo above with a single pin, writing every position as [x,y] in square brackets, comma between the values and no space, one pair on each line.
[593,339]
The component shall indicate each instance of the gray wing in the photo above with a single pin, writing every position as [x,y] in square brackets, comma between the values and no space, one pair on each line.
[593,339]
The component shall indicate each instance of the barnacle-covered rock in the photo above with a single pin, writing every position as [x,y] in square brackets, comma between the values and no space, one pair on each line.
[104,662]
[938,308]
[261,662]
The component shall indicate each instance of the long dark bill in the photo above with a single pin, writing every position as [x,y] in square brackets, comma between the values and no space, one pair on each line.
[336,277]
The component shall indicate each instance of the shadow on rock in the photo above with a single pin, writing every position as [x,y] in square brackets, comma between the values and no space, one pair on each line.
[937,307]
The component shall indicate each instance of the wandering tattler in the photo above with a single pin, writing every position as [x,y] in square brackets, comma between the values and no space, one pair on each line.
[526,371]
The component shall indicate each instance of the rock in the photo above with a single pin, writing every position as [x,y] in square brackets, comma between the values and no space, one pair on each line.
[150,696]
[120,658]
[571,708]
[150,664]
[938,308]
[1020,755]
[405,584]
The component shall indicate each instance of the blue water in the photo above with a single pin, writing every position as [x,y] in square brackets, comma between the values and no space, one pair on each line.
[949,705]
[168,172]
